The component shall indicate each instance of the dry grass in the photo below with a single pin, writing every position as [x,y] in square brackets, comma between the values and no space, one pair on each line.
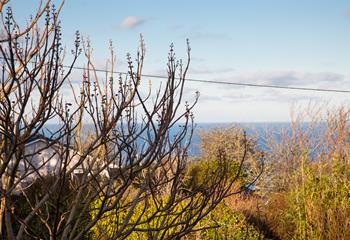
[305,190]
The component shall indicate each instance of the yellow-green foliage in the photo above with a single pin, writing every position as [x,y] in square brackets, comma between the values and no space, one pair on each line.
[224,223]
[236,149]
[319,205]
[201,174]
[221,223]
[147,215]
[307,185]
[316,204]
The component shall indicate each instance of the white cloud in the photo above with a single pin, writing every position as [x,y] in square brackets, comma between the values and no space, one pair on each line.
[131,22]
[240,94]
[291,78]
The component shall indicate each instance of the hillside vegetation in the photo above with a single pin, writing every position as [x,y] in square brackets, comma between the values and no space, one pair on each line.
[304,192]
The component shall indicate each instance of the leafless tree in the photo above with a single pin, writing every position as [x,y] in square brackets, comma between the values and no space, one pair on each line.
[113,154]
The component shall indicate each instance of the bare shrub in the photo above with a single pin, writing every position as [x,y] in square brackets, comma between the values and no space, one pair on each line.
[130,170]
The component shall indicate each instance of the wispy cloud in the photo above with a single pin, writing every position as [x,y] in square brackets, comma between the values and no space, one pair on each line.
[234,94]
[131,22]
[290,78]
[269,95]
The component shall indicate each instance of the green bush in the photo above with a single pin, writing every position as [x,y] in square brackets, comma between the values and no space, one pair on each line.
[201,174]
[221,223]
[145,218]
[222,153]
[319,206]
[225,150]
[224,223]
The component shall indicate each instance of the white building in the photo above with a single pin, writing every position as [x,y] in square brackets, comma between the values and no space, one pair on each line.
[43,157]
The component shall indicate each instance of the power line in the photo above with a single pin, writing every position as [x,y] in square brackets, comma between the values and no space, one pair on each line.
[230,83]
[223,82]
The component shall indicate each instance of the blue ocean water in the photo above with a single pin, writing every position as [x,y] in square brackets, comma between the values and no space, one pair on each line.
[257,130]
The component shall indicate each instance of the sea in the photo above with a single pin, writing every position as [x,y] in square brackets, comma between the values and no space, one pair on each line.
[258,130]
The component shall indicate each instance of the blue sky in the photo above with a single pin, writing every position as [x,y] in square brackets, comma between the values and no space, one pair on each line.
[282,42]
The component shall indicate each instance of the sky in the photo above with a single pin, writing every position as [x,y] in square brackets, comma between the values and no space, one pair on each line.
[278,42]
